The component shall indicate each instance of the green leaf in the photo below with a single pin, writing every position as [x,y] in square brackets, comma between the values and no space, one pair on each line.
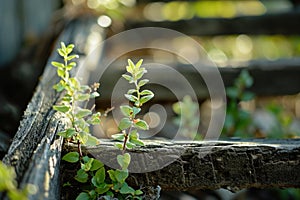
[102,188]
[92,141]
[125,189]
[131,67]
[139,63]
[67,98]
[74,83]
[119,146]
[96,165]
[124,160]
[57,64]
[71,157]
[135,110]
[61,72]
[62,108]
[112,176]
[70,48]
[81,123]
[81,176]
[86,166]
[63,46]
[70,132]
[141,124]
[143,82]
[146,98]
[140,73]
[121,175]
[126,110]
[71,65]
[127,77]
[119,137]
[83,137]
[131,91]
[147,92]
[134,138]
[131,97]
[130,145]
[71,57]
[80,112]
[94,95]
[61,52]
[95,118]
[59,87]
[83,196]
[82,97]
[99,177]
[125,123]
[138,192]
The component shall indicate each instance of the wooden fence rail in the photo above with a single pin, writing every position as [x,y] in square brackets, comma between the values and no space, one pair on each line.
[282,23]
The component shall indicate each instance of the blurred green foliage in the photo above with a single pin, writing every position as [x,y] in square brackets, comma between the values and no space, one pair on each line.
[187,117]
[8,184]
[238,121]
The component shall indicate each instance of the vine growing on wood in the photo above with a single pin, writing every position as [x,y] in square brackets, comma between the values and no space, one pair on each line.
[101,184]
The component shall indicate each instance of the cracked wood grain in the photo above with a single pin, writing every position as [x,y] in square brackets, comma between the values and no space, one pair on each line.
[212,164]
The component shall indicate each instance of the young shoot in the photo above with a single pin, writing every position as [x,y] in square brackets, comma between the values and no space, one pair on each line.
[75,94]
[130,123]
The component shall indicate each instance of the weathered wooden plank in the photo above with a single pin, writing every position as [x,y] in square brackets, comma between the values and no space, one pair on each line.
[211,164]
[35,151]
[282,23]
[271,78]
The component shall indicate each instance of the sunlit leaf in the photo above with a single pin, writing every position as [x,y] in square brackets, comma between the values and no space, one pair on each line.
[62,108]
[96,165]
[92,141]
[125,123]
[147,92]
[124,160]
[82,97]
[141,124]
[131,97]
[57,64]
[143,82]
[127,77]
[146,98]
[119,136]
[126,110]
[80,112]
[139,63]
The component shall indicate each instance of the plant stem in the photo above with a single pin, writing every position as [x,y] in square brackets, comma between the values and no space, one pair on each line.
[126,139]
[79,148]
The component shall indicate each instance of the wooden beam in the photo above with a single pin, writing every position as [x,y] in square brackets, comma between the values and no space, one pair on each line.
[35,152]
[194,165]
[282,23]
[271,78]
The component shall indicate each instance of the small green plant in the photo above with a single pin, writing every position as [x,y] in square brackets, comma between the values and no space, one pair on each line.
[187,117]
[9,185]
[80,119]
[238,120]
[130,124]
[99,183]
